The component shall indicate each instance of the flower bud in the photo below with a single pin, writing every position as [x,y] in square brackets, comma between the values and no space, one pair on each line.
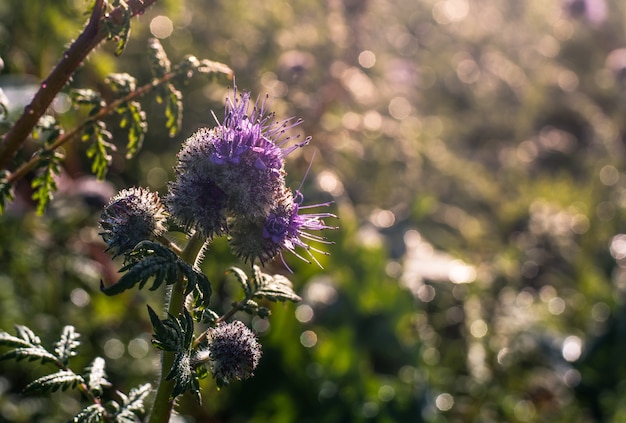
[233,351]
[132,216]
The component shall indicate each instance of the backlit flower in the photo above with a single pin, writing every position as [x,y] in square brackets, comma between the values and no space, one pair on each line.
[132,216]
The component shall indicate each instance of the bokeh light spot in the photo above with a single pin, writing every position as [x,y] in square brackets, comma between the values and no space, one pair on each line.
[161,27]
[367,59]
[308,339]
[444,402]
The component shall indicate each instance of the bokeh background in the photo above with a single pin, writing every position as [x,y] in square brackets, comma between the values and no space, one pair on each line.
[474,151]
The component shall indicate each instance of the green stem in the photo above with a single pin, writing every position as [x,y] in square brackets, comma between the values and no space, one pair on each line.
[163,403]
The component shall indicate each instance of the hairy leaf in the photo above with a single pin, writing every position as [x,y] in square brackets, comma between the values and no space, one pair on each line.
[6,190]
[148,260]
[25,338]
[66,346]
[173,110]
[92,414]
[134,402]
[159,62]
[119,32]
[121,83]
[63,379]
[31,354]
[96,376]
[100,149]
[174,333]
[44,184]
[135,120]
[273,287]
[151,260]
[242,278]
[86,97]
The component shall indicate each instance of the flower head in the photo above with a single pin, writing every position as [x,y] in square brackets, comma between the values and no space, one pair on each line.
[236,168]
[233,351]
[283,228]
[132,216]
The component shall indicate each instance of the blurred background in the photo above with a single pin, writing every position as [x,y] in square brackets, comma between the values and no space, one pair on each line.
[474,151]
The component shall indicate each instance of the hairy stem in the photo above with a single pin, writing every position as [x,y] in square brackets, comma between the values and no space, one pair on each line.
[163,403]
[93,33]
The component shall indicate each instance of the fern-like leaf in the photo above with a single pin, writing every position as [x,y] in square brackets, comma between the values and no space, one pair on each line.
[96,377]
[6,191]
[119,32]
[65,348]
[242,278]
[133,404]
[135,120]
[25,338]
[37,353]
[159,63]
[44,184]
[100,149]
[174,333]
[92,414]
[273,287]
[63,379]
[151,260]
[173,110]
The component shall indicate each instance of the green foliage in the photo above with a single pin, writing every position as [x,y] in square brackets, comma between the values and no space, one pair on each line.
[65,348]
[151,260]
[119,31]
[28,346]
[63,379]
[176,334]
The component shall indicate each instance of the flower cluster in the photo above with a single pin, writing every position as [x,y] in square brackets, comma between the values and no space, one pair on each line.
[132,216]
[231,180]
[233,351]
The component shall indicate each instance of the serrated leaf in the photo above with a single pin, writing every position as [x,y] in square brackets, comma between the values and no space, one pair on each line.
[85,97]
[119,32]
[100,149]
[27,334]
[92,414]
[96,376]
[159,62]
[67,344]
[173,110]
[148,260]
[6,191]
[30,354]
[121,83]
[173,334]
[242,278]
[153,261]
[63,379]
[44,183]
[135,119]
[184,375]
[134,402]
[273,287]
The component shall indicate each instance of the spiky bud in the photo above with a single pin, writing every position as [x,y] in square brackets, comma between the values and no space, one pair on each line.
[132,216]
[233,352]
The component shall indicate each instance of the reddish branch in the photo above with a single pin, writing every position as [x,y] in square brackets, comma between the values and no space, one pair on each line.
[92,35]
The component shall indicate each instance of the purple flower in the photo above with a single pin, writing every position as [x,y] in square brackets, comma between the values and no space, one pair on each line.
[132,216]
[284,228]
[235,169]
[290,229]
[233,352]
